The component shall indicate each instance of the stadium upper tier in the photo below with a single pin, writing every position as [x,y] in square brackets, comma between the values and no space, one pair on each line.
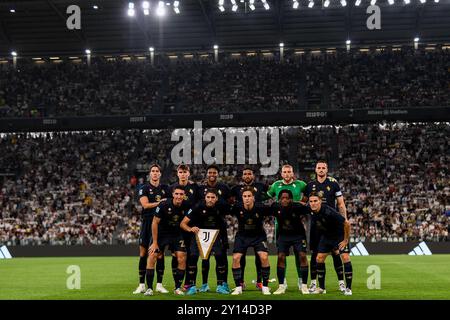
[114,86]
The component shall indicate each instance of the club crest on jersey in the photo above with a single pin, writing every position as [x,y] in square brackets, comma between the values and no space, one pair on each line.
[158,197]
[328,188]
[257,215]
[191,191]
[321,194]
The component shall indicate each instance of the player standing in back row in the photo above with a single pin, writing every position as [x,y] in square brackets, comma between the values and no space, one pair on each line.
[297,188]
[150,196]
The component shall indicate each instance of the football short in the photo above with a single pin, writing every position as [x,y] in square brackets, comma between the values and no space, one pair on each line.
[242,243]
[327,245]
[297,242]
[173,242]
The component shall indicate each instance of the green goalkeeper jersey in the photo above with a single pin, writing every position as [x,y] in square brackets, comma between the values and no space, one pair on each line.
[296,187]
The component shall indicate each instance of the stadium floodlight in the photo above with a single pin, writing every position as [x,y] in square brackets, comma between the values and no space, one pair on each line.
[216,47]
[295,4]
[161,10]
[146,7]
[252,5]
[95,7]
[311,4]
[436,1]
[423,1]
[221,8]
[221,2]
[234,8]
[176,5]
[326,3]
[14,53]
[266,5]
[407,1]
[12,10]
[373,2]
[151,49]
[357,3]
[343,3]
[391,2]
[348,42]
[88,51]
[131,11]
[416,39]
[281,45]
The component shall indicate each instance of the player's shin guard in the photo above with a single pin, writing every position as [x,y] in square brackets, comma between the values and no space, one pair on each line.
[265,273]
[338,266]
[142,267]
[179,278]
[304,274]
[160,265]
[150,275]
[205,271]
[258,268]
[321,274]
[281,274]
[348,271]
[313,266]
[221,271]
[237,276]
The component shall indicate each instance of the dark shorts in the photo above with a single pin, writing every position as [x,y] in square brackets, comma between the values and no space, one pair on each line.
[145,236]
[297,242]
[173,242]
[242,243]
[327,245]
[218,248]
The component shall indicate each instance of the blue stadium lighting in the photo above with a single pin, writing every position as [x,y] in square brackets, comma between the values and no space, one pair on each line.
[296,4]
[326,3]
[373,2]
[252,5]
[407,1]
[14,53]
[357,3]
[311,4]
[423,1]
[391,2]
[343,3]
[266,5]
[161,10]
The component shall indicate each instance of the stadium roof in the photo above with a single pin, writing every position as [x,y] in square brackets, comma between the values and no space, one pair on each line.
[39,27]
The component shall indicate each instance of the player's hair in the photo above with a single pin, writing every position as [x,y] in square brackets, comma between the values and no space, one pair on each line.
[213,191]
[177,187]
[288,192]
[212,166]
[287,165]
[322,161]
[247,168]
[248,188]
[153,165]
[315,194]
[184,167]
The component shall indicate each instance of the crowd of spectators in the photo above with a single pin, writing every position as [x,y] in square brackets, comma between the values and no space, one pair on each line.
[75,188]
[378,79]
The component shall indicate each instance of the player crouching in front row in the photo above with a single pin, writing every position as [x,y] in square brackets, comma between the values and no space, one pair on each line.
[166,232]
[334,232]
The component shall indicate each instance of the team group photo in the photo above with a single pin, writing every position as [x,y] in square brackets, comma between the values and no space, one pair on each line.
[210,155]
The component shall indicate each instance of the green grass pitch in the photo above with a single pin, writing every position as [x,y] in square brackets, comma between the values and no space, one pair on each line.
[402,277]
